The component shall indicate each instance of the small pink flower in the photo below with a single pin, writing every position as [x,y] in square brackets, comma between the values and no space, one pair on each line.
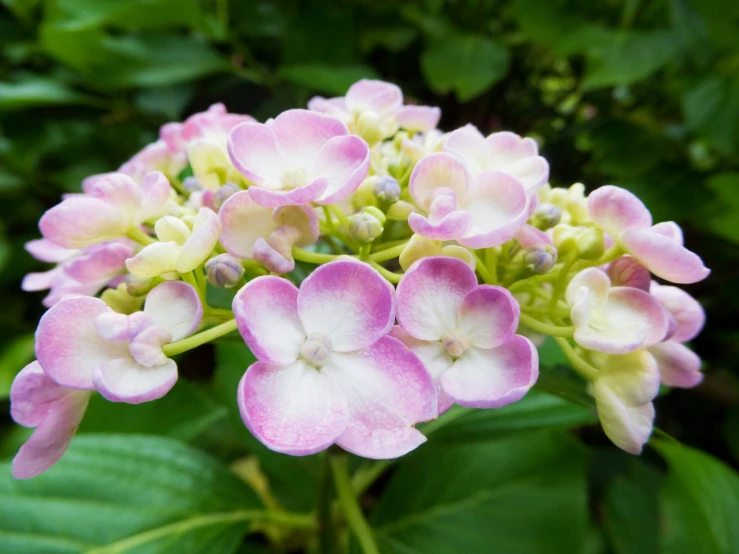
[504,151]
[624,390]
[266,234]
[299,157]
[615,320]
[327,373]
[181,249]
[112,205]
[464,334]
[54,410]
[154,157]
[478,212]
[214,123]
[82,344]
[659,247]
[83,272]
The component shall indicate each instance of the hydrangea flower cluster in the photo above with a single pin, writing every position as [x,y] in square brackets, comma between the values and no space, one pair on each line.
[438,261]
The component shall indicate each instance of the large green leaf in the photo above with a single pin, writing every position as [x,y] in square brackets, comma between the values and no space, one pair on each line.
[725,209]
[128,14]
[33,91]
[128,493]
[525,494]
[711,108]
[12,359]
[700,503]
[333,80]
[467,65]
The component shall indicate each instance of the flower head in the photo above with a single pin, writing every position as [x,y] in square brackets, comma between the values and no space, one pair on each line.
[326,371]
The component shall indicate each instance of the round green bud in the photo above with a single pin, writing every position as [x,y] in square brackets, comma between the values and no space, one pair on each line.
[368,127]
[547,216]
[399,211]
[591,243]
[364,227]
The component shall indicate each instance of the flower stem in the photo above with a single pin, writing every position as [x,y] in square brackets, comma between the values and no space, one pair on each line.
[491,263]
[312,257]
[482,269]
[388,253]
[340,215]
[583,367]
[546,328]
[348,502]
[389,275]
[194,341]
[136,234]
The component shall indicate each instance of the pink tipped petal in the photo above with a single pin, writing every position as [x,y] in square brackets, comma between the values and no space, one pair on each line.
[592,279]
[671,230]
[119,190]
[434,172]
[113,326]
[615,210]
[623,299]
[156,190]
[387,391]
[348,302]
[154,260]
[451,227]
[266,310]
[302,218]
[335,107]
[530,236]
[344,161]
[82,221]
[33,395]
[244,221]
[67,344]
[41,281]
[300,135]
[295,197]
[253,150]
[146,347]
[293,409]
[430,294]
[679,366]
[200,245]
[125,380]
[377,96]
[488,316]
[626,271]
[99,262]
[176,306]
[274,261]
[418,118]
[52,436]
[663,257]
[46,251]
[628,427]
[469,144]
[499,208]
[494,377]
[533,173]
[688,313]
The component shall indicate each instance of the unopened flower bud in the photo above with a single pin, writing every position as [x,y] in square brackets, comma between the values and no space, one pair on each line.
[368,127]
[139,286]
[223,194]
[547,216]
[191,184]
[540,258]
[120,300]
[565,239]
[364,227]
[577,205]
[224,271]
[377,213]
[628,272]
[591,244]
[399,211]
[386,189]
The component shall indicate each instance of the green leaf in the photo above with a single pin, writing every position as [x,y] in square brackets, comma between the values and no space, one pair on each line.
[721,17]
[35,91]
[12,359]
[700,503]
[725,209]
[132,493]
[127,14]
[326,79]
[535,410]
[467,65]
[711,108]
[183,413]
[523,493]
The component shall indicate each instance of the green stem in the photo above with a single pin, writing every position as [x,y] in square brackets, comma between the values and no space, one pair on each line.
[388,253]
[364,252]
[546,328]
[340,215]
[533,280]
[329,219]
[389,275]
[491,263]
[583,367]
[327,540]
[561,283]
[348,501]
[136,234]
[482,269]
[174,348]
[312,257]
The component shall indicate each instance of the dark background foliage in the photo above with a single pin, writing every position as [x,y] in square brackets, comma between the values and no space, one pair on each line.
[639,93]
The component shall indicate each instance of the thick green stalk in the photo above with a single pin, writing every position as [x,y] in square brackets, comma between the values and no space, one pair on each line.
[348,502]
[194,341]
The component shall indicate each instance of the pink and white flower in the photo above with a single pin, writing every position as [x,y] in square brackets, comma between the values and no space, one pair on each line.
[181,249]
[54,410]
[83,272]
[154,157]
[504,151]
[464,334]
[326,371]
[478,212]
[624,390]
[266,235]
[659,247]
[298,158]
[112,205]
[82,344]
[615,320]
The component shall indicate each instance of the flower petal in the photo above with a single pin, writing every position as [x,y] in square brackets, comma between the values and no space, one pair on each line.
[125,380]
[113,326]
[244,221]
[453,226]
[430,294]
[67,345]
[348,302]
[344,161]
[81,221]
[418,118]
[253,150]
[176,306]
[266,311]
[382,98]
[469,144]
[678,365]
[663,257]
[592,279]
[46,251]
[205,232]
[301,134]
[154,260]
[615,210]
[671,230]
[434,172]
[155,190]
[488,316]
[146,346]
[335,107]
[302,195]
[33,394]
[387,391]
[493,377]
[293,409]
[628,427]
[686,310]
[99,262]
[633,377]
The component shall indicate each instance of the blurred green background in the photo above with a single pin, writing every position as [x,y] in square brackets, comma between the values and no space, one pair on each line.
[639,93]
